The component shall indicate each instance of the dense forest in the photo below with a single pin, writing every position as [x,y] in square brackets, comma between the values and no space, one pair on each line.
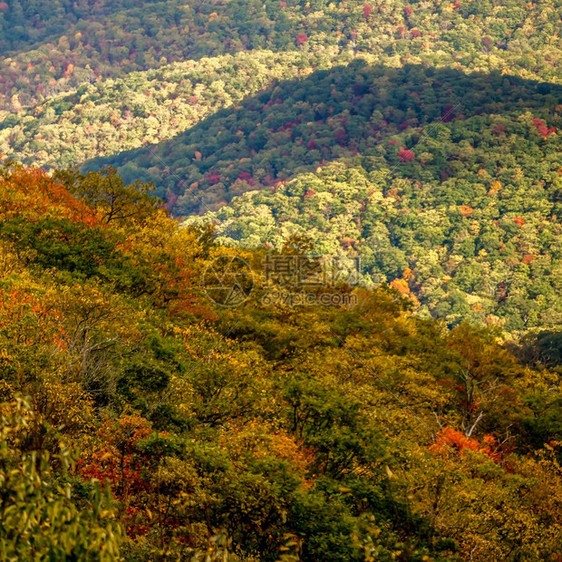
[142,422]
[53,46]
[371,110]
[280,280]
[441,119]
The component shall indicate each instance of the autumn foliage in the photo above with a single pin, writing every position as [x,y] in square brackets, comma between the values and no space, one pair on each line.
[406,156]
[33,194]
[418,419]
[256,429]
[451,441]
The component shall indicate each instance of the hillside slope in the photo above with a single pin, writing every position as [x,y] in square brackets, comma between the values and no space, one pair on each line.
[53,46]
[353,109]
[261,432]
[446,117]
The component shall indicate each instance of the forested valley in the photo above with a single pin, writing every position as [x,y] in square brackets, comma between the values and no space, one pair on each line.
[280,280]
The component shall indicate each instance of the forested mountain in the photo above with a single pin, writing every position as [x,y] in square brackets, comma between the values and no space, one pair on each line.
[354,109]
[115,115]
[280,280]
[447,115]
[260,432]
[53,46]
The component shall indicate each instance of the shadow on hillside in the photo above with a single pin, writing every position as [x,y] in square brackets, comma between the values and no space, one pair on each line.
[297,125]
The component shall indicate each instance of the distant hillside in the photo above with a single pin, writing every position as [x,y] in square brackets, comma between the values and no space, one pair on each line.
[484,245]
[347,110]
[109,117]
[53,46]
